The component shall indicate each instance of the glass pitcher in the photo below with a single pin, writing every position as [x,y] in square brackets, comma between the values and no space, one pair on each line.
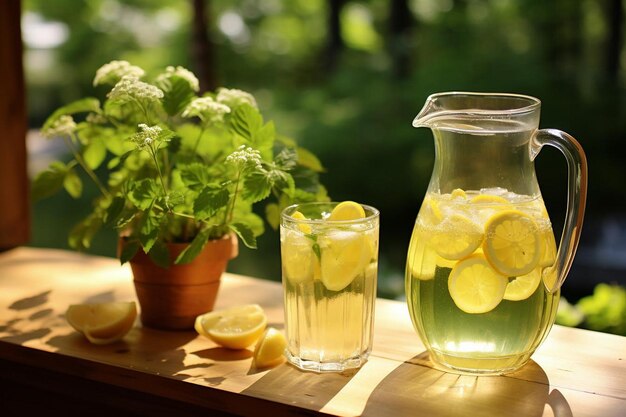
[483,274]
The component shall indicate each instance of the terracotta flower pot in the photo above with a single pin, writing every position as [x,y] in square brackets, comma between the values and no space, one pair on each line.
[172,298]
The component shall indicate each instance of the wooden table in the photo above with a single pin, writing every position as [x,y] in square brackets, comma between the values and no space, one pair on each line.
[45,365]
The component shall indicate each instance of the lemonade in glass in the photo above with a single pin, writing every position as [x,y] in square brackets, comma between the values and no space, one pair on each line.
[329,258]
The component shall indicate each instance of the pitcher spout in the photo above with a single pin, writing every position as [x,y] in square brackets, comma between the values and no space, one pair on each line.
[428,113]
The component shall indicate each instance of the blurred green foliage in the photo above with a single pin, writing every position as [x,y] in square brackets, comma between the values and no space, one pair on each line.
[355,112]
[604,310]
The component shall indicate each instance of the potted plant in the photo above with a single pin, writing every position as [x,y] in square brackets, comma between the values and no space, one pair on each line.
[178,175]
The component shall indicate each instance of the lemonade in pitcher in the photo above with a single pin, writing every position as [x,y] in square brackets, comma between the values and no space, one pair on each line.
[329,257]
[478,277]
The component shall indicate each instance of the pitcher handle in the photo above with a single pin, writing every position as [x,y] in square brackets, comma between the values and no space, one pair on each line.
[576,197]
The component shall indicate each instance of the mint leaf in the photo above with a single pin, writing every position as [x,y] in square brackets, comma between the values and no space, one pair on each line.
[195,175]
[94,153]
[272,215]
[194,248]
[160,255]
[144,193]
[50,181]
[286,159]
[256,186]
[283,182]
[114,211]
[209,201]
[88,104]
[245,234]
[129,250]
[246,121]
[263,140]
[120,159]
[177,93]
[307,159]
[73,184]
[149,226]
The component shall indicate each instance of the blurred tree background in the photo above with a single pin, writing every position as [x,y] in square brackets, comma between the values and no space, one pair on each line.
[345,78]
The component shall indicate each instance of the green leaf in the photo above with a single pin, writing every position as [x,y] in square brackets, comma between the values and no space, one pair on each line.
[129,250]
[120,159]
[144,193]
[160,255]
[243,214]
[73,184]
[286,159]
[306,179]
[282,182]
[94,153]
[177,93]
[263,140]
[149,226]
[272,215]
[209,201]
[50,181]
[195,176]
[245,234]
[194,248]
[88,104]
[246,121]
[256,186]
[114,211]
[307,159]
[82,234]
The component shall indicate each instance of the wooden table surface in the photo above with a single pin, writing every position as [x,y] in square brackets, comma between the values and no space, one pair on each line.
[574,373]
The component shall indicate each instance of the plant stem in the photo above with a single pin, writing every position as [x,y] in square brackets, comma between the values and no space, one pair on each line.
[158,167]
[195,147]
[228,217]
[83,164]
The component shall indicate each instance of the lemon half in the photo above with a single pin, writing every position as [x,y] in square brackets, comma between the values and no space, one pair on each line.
[102,323]
[233,328]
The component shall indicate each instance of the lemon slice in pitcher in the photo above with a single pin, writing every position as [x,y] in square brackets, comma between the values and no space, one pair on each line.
[522,287]
[234,328]
[475,287]
[512,243]
[456,237]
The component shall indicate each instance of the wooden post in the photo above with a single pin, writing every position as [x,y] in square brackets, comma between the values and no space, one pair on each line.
[14,202]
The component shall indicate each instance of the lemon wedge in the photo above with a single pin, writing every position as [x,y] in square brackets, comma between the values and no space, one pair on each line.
[304,228]
[520,288]
[102,323]
[345,254]
[347,210]
[457,237]
[233,328]
[475,287]
[512,243]
[270,349]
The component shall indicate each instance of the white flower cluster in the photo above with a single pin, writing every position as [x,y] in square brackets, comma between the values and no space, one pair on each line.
[245,157]
[207,109]
[147,136]
[114,71]
[62,126]
[233,97]
[130,88]
[183,73]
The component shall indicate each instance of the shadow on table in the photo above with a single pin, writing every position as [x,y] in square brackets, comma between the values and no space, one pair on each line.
[416,389]
[288,385]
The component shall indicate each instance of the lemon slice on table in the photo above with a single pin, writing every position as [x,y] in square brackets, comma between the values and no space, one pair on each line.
[522,287]
[347,210]
[475,287]
[512,243]
[233,328]
[456,237]
[102,323]
[270,349]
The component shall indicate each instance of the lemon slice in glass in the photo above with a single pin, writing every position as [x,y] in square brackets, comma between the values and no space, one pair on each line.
[297,257]
[102,323]
[345,254]
[347,210]
[233,328]
[456,237]
[522,287]
[270,349]
[304,228]
[512,243]
[475,287]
